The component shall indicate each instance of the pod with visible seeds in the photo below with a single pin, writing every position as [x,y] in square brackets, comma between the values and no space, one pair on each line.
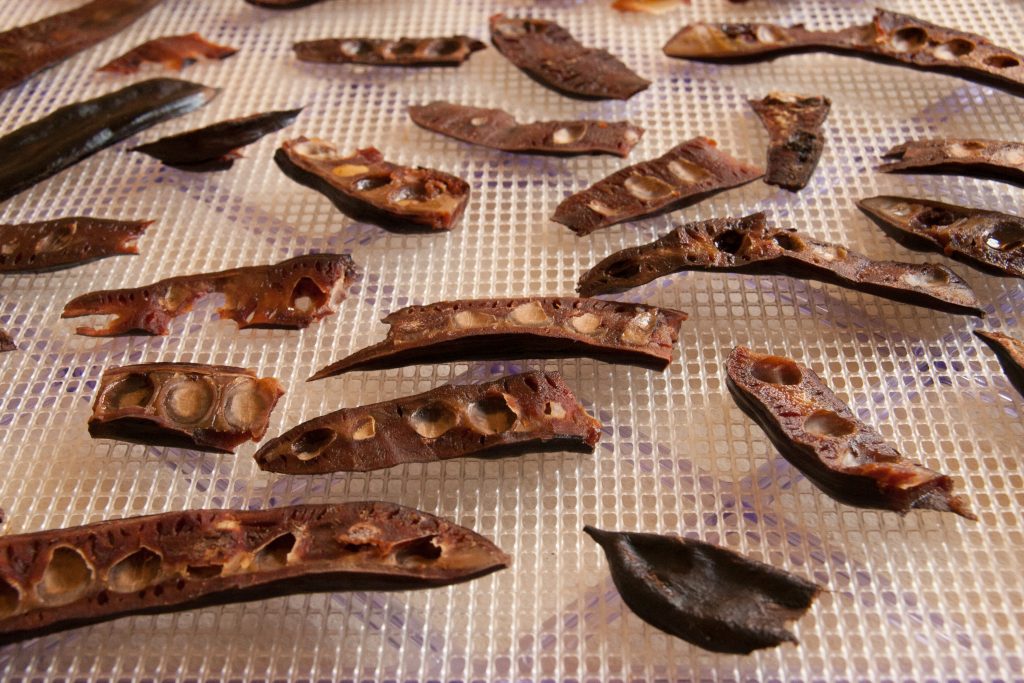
[437,51]
[987,159]
[65,242]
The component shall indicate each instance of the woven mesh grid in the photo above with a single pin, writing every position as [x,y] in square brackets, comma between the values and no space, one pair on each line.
[919,598]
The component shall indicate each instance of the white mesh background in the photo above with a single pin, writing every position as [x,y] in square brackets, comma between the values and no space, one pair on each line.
[926,597]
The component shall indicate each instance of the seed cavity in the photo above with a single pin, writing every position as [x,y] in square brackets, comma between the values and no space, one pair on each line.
[417,552]
[909,39]
[135,572]
[829,424]
[188,400]
[647,188]
[371,183]
[927,277]
[639,329]
[366,429]
[355,47]
[446,46]
[204,571]
[687,171]
[347,170]
[586,323]
[1002,61]
[776,370]
[954,49]
[10,597]
[935,216]
[244,405]
[478,120]
[1005,236]
[554,410]
[67,577]
[1011,155]
[601,208]
[433,420]
[789,241]
[473,319]
[312,443]
[491,415]
[566,135]
[729,241]
[131,391]
[411,193]
[274,555]
[531,313]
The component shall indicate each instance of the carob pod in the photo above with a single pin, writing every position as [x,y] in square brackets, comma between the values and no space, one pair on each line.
[287,295]
[820,436]
[66,242]
[498,129]
[28,49]
[45,147]
[282,4]
[989,240]
[750,245]
[205,407]
[709,596]
[890,37]
[795,138]
[529,413]
[529,327]
[365,187]
[684,175]
[172,52]
[1010,352]
[6,341]
[549,54]
[648,6]
[436,51]
[215,148]
[987,159]
[173,561]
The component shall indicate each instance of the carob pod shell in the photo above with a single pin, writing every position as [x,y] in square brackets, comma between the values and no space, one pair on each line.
[66,242]
[987,159]
[172,52]
[6,341]
[709,596]
[205,407]
[820,436]
[509,329]
[63,578]
[437,51]
[796,141]
[1010,352]
[528,413]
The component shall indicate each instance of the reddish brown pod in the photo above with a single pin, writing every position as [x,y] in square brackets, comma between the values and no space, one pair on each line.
[989,159]
[437,51]
[172,52]
[1010,352]
[66,242]
[796,140]
[283,4]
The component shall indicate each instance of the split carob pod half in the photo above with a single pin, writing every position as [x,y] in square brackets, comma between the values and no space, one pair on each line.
[1010,352]
[796,141]
[708,596]
[434,51]
[509,329]
[71,133]
[7,341]
[684,175]
[205,407]
[549,55]
[528,413]
[986,159]
[750,245]
[291,294]
[890,37]
[171,52]
[820,436]
[173,561]
[989,240]
[498,129]
[66,242]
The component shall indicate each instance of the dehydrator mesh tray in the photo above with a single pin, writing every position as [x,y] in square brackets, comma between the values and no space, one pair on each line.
[926,597]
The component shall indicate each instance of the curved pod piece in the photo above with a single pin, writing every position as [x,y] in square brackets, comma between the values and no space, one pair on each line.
[549,54]
[820,436]
[60,579]
[206,407]
[1010,352]
[66,242]
[987,159]
[286,295]
[438,51]
[796,141]
[172,52]
[365,187]
[709,596]
[750,245]
[6,341]
[989,240]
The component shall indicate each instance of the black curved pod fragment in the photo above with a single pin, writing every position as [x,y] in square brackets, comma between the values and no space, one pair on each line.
[986,159]
[66,242]
[1010,352]
[415,52]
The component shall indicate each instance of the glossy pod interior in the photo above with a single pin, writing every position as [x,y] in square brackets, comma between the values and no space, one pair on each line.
[66,242]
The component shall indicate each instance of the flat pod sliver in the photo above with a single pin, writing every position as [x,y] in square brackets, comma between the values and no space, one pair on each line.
[1010,352]
[172,52]
[416,52]
[987,159]
[66,242]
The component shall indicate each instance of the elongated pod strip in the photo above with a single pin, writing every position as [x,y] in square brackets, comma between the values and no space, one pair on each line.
[60,579]
[750,245]
[549,54]
[28,49]
[890,37]
[365,187]
[989,240]
[508,329]
[820,436]
[648,6]
[684,175]
[709,596]
[795,138]
[288,295]
[206,407]
[65,242]
[440,51]
[498,129]
[6,341]
[45,147]
[1010,352]
[172,52]
[988,159]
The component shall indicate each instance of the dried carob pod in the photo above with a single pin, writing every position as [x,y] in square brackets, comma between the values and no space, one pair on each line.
[507,329]
[989,240]
[498,129]
[750,245]
[549,54]
[283,4]
[709,596]
[684,175]
[437,51]
[528,413]
[65,242]
[648,6]
[7,341]
[820,436]
[173,561]
[365,187]
[288,295]
[890,37]
[988,159]
[172,52]
[795,138]
[207,407]
[1010,352]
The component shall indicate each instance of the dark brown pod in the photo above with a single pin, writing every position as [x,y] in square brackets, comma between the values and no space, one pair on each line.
[365,187]
[549,54]
[534,412]
[704,594]
[286,295]
[795,138]
[988,159]
[1010,352]
[820,436]
[440,51]
[173,52]
[509,329]
[6,341]
[684,175]
[891,37]
[205,407]
[988,240]
[60,579]
[65,242]
[498,129]
[750,245]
